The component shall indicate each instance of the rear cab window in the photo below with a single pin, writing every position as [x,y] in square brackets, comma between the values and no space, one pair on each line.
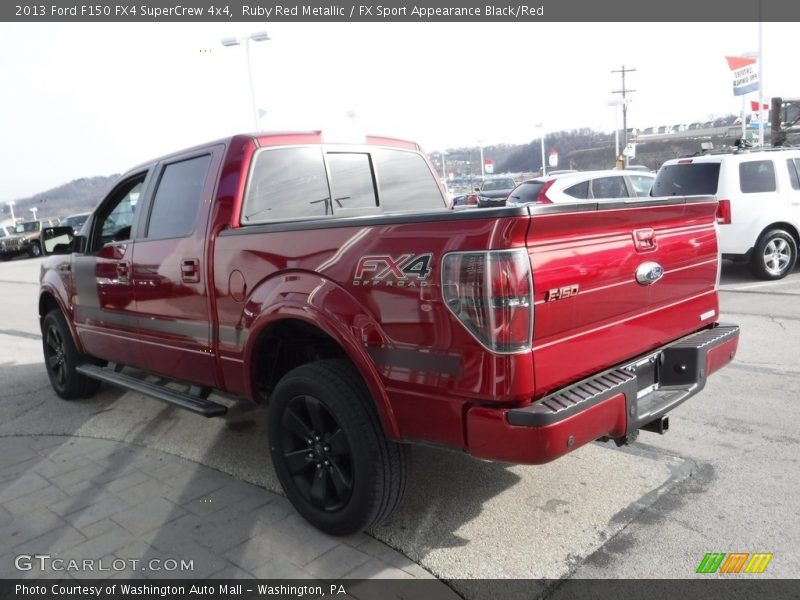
[316,182]
[405,181]
[687,179]
[352,181]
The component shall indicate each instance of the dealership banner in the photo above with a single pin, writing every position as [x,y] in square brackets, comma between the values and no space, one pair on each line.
[745,74]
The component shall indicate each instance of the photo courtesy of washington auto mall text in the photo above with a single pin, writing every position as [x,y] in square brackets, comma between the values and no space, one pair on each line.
[226,590]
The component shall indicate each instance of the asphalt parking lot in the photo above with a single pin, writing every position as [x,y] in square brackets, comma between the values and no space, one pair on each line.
[723,479]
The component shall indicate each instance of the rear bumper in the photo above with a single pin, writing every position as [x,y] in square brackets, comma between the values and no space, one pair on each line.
[614,403]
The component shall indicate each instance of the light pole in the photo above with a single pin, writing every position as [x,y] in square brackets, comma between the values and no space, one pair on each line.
[352,115]
[480,147]
[615,102]
[624,91]
[760,78]
[11,207]
[540,127]
[33,210]
[258,36]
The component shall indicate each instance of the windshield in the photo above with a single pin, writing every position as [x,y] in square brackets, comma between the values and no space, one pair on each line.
[27,227]
[689,179]
[75,221]
[497,184]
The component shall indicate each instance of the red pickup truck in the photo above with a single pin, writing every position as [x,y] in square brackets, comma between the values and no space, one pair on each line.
[331,281]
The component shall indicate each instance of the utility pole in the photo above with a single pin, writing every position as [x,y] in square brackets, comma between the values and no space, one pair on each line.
[624,91]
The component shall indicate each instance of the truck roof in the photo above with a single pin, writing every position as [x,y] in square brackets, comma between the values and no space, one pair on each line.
[286,138]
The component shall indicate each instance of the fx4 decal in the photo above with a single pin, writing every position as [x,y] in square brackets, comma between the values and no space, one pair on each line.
[408,270]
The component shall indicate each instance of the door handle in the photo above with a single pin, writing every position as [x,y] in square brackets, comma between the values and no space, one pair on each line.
[644,240]
[123,270]
[190,270]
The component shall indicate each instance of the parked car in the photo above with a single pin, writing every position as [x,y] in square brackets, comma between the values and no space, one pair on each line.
[759,203]
[464,201]
[588,185]
[75,221]
[331,283]
[493,192]
[26,238]
[4,231]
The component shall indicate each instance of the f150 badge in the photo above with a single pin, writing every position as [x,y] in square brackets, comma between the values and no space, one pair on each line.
[648,273]
[408,270]
[561,293]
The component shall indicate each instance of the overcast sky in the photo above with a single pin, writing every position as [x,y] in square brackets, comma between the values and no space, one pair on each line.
[80,100]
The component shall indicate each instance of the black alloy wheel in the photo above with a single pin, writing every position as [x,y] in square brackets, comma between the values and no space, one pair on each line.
[329,450]
[61,357]
[317,453]
[54,354]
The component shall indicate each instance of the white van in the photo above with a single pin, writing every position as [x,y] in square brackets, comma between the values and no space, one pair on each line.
[759,202]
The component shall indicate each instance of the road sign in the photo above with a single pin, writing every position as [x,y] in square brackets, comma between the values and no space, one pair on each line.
[630,151]
[552,160]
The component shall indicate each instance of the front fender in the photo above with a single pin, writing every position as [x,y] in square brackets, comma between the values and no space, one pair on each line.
[326,305]
[52,284]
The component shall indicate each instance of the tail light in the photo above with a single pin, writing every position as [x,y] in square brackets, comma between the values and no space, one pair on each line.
[541,197]
[724,212]
[491,294]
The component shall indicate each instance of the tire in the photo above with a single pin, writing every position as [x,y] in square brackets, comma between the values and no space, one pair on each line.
[331,456]
[61,357]
[774,256]
[35,250]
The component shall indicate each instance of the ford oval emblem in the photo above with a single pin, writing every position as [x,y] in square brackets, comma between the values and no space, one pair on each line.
[648,273]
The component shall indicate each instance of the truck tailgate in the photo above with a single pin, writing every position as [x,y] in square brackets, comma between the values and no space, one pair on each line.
[591,310]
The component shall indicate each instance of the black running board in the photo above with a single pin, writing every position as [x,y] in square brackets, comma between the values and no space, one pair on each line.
[195,404]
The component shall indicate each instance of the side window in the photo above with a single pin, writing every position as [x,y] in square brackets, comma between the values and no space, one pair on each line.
[579,190]
[352,184]
[177,198]
[757,176]
[793,164]
[405,181]
[115,217]
[287,183]
[609,187]
[641,184]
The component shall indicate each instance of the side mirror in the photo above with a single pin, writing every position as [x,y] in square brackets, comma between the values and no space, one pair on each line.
[57,240]
[476,189]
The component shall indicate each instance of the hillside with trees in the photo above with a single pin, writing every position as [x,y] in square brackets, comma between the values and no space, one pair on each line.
[79,195]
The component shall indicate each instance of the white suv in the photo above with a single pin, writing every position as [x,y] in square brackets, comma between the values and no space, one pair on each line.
[759,202]
[581,185]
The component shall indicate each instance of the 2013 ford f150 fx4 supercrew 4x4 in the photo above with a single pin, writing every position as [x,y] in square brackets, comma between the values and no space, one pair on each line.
[332,282]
